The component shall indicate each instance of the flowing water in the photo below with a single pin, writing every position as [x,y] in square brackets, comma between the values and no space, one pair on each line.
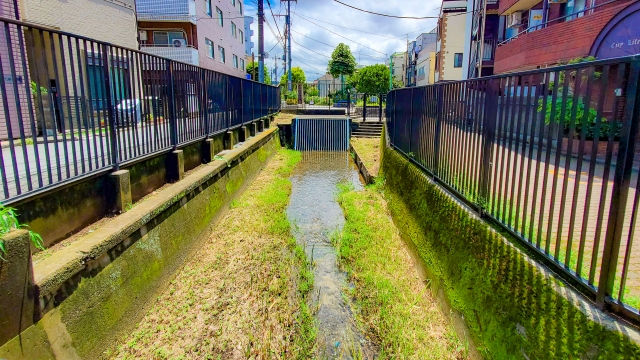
[316,216]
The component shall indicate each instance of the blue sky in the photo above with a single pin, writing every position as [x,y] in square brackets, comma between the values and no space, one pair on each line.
[372,38]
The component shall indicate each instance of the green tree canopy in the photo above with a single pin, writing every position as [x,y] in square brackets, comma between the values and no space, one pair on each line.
[372,79]
[342,61]
[297,76]
[252,68]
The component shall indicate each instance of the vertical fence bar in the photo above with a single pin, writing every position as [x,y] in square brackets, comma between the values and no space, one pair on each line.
[173,121]
[106,66]
[488,135]
[621,184]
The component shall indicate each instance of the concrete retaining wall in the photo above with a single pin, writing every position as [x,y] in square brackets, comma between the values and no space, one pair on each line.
[92,293]
[513,307]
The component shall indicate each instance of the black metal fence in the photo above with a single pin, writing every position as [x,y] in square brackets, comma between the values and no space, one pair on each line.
[329,94]
[549,155]
[73,106]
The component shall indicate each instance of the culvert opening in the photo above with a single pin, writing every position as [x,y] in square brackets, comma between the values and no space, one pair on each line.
[321,134]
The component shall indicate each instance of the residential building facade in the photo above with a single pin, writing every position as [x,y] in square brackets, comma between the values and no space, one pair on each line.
[398,70]
[207,33]
[248,35]
[546,33]
[482,22]
[328,84]
[450,47]
[422,59]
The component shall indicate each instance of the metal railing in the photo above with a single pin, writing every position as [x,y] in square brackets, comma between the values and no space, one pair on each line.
[73,107]
[548,155]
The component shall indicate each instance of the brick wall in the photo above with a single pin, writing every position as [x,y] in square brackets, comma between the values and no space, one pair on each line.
[556,43]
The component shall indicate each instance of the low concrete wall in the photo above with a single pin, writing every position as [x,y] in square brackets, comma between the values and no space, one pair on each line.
[93,292]
[366,175]
[513,307]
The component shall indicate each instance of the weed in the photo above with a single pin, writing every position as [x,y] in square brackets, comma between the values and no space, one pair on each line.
[8,222]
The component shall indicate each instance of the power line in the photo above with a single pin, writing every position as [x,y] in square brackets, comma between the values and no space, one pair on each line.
[362,31]
[342,36]
[329,57]
[333,46]
[387,15]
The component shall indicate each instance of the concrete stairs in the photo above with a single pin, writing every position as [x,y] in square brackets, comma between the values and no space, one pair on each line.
[368,129]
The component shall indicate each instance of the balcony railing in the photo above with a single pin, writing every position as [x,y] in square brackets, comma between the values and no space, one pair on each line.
[175,10]
[186,54]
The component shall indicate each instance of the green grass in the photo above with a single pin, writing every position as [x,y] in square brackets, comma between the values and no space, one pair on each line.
[393,305]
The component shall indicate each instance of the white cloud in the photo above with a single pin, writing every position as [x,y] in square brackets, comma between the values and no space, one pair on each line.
[340,20]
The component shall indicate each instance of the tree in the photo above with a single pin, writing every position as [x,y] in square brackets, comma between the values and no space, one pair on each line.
[372,79]
[297,77]
[252,68]
[342,61]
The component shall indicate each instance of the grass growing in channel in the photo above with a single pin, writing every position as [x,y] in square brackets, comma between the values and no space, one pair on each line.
[394,306]
[244,294]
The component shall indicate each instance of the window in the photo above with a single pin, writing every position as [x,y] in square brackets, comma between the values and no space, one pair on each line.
[210,52]
[457,60]
[241,36]
[221,52]
[235,61]
[240,7]
[207,7]
[166,38]
[233,2]
[573,7]
[242,64]
[220,18]
[234,33]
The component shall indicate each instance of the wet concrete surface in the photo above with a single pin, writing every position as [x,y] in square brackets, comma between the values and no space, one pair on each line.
[316,217]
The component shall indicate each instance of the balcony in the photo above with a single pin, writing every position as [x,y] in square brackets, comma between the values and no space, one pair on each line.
[185,54]
[555,43]
[169,11]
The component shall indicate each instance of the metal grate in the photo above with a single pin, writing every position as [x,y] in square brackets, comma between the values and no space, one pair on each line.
[321,134]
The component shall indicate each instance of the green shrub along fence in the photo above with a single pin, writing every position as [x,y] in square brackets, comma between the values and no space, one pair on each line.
[513,307]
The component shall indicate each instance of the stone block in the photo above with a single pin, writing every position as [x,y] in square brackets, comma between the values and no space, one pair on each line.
[175,166]
[253,127]
[230,139]
[244,133]
[17,295]
[260,124]
[121,185]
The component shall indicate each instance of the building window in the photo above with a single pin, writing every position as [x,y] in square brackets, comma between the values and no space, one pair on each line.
[233,30]
[241,36]
[221,52]
[233,2]
[240,3]
[166,38]
[457,60]
[207,7]
[220,19]
[242,64]
[210,52]
[235,61]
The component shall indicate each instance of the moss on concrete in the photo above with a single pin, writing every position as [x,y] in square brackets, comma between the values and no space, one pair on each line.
[147,176]
[511,306]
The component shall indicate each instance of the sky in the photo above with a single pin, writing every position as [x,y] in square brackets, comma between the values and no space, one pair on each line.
[372,38]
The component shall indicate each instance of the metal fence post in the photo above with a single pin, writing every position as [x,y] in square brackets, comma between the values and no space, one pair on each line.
[364,107]
[380,107]
[621,184]
[173,118]
[490,116]
[348,104]
[111,116]
[439,116]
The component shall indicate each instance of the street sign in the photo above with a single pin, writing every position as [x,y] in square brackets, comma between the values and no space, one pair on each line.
[248,76]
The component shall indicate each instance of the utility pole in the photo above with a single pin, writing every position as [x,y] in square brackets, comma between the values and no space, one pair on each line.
[261,41]
[288,35]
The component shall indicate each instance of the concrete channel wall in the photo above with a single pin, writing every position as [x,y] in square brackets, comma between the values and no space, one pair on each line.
[91,293]
[513,307]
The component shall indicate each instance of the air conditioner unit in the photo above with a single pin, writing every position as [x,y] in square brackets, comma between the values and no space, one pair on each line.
[179,43]
[515,19]
[143,35]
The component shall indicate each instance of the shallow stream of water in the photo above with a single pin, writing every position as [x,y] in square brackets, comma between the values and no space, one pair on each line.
[316,216]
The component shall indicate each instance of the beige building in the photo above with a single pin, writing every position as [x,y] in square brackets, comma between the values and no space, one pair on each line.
[450,46]
[426,68]
[399,66]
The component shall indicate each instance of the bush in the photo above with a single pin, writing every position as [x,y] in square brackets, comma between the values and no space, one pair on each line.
[607,129]
[292,101]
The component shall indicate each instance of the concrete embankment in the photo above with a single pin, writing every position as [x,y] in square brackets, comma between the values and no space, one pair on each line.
[92,292]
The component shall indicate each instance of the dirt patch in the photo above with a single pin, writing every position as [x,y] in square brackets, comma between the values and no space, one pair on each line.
[284,119]
[243,293]
[369,151]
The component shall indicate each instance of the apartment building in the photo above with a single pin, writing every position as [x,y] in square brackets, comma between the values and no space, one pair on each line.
[451,47]
[545,33]
[207,33]
[421,69]
[248,34]
[398,70]
[481,38]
